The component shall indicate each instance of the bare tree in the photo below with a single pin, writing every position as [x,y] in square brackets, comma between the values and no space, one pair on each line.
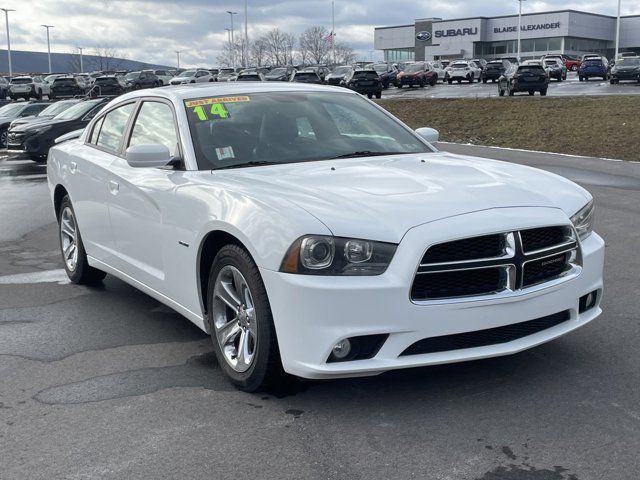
[315,44]
[344,54]
[106,58]
[258,51]
[279,46]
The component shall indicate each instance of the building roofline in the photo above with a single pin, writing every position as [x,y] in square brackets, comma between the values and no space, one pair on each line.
[395,26]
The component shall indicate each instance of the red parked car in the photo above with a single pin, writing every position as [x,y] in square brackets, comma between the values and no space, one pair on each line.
[572,63]
[419,74]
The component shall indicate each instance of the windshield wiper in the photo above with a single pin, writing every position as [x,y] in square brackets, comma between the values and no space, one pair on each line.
[248,164]
[366,153]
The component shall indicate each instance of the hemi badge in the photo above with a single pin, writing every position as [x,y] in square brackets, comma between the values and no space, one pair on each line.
[184,244]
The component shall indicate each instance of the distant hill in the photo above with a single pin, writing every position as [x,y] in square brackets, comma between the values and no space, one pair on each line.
[37,62]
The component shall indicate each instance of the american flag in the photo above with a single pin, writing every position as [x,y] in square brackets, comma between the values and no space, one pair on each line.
[330,37]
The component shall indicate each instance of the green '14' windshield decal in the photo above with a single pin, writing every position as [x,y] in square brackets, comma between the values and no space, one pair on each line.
[217,110]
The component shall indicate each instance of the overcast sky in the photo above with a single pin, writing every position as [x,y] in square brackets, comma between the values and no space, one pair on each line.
[152,30]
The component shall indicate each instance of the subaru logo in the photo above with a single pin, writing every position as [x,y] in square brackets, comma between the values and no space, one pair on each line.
[424,36]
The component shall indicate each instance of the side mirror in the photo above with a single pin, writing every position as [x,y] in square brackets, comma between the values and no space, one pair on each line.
[150,155]
[429,134]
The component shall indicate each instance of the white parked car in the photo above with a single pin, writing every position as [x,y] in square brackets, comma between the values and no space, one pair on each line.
[311,232]
[192,76]
[28,87]
[164,75]
[463,70]
[439,69]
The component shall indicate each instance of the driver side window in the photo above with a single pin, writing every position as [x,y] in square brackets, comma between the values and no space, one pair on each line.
[155,125]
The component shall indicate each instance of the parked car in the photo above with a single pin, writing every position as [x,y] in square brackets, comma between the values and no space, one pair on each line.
[27,87]
[36,139]
[445,63]
[462,70]
[84,80]
[250,77]
[65,87]
[50,111]
[571,63]
[192,76]
[108,85]
[387,73]
[13,111]
[555,68]
[323,238]
[339,75]
[321,70]
[214,73]
[418,74]
[511,60]
[164,76]
[280,74]
[480,62]
[144,79]
[494,70]
[366,82]
[307,76]
[529,77]
[593,67]
[438,68]
[626,68]
[4,88]
[226,75]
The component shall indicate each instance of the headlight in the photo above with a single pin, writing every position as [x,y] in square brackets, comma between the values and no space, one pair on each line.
[583,220]
[325,255]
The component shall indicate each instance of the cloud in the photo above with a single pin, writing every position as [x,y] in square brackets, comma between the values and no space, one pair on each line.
[151,30]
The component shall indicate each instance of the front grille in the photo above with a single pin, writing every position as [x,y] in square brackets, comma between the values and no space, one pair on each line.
[459,283]
[487,246]
[545,237]
[538,271]
[495,263]
[483,338]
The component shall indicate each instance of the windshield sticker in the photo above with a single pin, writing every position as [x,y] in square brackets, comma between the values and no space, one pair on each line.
[225,153]
[212,100]
[217,110]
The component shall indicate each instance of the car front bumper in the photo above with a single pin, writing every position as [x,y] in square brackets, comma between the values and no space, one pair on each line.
[313,313]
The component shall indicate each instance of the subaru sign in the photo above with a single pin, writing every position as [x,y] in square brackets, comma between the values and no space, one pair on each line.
[424,36]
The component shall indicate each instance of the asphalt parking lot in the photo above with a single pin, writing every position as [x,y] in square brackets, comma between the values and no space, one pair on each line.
[108,383]
[571,87]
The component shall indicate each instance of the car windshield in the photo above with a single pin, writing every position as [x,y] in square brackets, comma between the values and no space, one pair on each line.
[76,111]
[287,127]
[460,65]
[227,70]
[56,108]
[277,72]
[132,75]
[414,67]
[629,61]
[380,68]
[21,81]
[11,110]
[341,71]
[50,78]
[187,73]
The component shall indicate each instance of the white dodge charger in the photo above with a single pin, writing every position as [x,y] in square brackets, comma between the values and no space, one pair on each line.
[311,233]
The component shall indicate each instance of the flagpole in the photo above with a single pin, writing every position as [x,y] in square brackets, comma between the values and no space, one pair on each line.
[333,30]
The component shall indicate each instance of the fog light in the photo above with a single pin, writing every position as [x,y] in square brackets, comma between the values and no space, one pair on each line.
[342,349]
[588,301]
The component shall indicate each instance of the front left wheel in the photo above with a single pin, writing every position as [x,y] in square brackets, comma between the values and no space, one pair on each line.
[241,323]
[74,256]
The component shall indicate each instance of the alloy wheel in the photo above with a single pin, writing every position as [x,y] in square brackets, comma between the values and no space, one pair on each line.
[69,238]
[4,136]
[234,319]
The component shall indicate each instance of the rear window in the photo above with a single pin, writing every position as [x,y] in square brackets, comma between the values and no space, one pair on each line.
[21,81]
[530,69]
[593,62]
[366,75]
[64,81]
[106,81]
[460,65]
[306,75]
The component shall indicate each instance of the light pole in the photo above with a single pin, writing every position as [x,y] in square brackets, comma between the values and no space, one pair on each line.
[48,44]
[230,48]
[615,58]
[519,26]
[233,43]
[6,16]
[81,64]
[178,52]
[333,31]
[246,37]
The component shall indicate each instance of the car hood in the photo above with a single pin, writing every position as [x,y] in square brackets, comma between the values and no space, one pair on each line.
[30,121]
[381,198]
[49,122]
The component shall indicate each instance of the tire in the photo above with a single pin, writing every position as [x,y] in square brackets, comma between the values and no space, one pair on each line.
[560,78]
[500,92]
[531,93]
[449,81]
[78,270]
[40,159]
[137,86]
[459,81]
[4,135]
[422,83]
[511,92]
[39,95]
[233,270]
[580,78]
[484,80]
[378,95]
[612,81]
[433,81]
[543,92]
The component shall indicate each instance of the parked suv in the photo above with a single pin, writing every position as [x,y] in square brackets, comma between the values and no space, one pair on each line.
[555,68]
[463,70]
[108,85]
[529,77]
[419,74]
[65,87]
[27,87]
[494,70]
[593,67]
[138,80]
[366,82]
[192,76]
[338,75]
[626,68]
[308,75]
[163,75]
[387,73]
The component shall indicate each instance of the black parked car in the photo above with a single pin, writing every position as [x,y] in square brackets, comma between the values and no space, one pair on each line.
[365,82]
[51,111]
[307,76]
[36,139]
[339,75]
[4,88]
[626,68]
[13,111]
[108,85]
[65,87]
[387,73]
[280,74]
[494,70]
[528,77]
[138,80]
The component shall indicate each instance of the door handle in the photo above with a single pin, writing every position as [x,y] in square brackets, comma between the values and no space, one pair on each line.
[114,187]
[73,167]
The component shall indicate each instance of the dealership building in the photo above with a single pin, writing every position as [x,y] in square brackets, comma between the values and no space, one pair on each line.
[565,31]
